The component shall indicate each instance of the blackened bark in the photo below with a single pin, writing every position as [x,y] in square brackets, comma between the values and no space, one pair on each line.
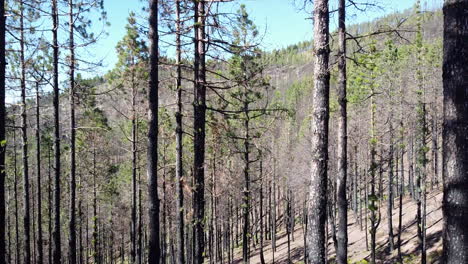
[40,251]
[342,202]
[199,108]
[390,192]
[50,202]
[72,217]
[153,209]
[372,198]
[24,143]
[317,204]
[133,230]
[262,257]
[455,131]
[57,251]
[15,190]
[95,234]
[179,146]
[2,133]
[246,193]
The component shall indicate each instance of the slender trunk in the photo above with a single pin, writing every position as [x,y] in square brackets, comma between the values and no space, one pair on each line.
[179,140]
[164,206]
[342,202]
[289,224]
[72,218]
[15,190]
[411,169]
[317,207]
[199,108]
[95,240]
[57,251]
[390,192]
[262,257]
[134,168]
[80,234]
[366,206]
[50,201]
[305,221]
[373,166]
[40,255]
[273,211]
[24,123]
[402,183]
[2,132]
[435,150]
[421,139]
[246,193]
[153,210]
[140,221]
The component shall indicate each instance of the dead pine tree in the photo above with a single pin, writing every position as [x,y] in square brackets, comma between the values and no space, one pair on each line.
[153,209]
[455,154]
[317,204]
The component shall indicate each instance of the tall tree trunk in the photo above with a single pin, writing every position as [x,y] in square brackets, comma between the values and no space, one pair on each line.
[2,132]
[140,221]
[72,218]
[421,138]
[153,210]
[15,190]
[164,205]
[390,192]
[95,240]
[273,217]
[435,149]
[49,201]
[341,200]
[134,168]
[373,166]
[57,251]
[262,257]
[246,193]
[179,141]
[455,136]
[317,207]
[40,251]
[402,183]
[24,142]
[199,109]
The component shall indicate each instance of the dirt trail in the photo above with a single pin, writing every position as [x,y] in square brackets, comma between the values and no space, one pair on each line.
[357,238]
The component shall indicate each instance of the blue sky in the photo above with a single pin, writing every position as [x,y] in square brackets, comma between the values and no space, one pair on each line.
[282,21]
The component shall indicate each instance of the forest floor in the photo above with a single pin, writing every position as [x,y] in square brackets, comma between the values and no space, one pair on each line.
[357,250]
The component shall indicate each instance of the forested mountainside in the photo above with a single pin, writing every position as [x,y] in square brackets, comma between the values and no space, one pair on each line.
[243,194]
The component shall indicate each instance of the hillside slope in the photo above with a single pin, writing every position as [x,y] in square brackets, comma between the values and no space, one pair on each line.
[357,250]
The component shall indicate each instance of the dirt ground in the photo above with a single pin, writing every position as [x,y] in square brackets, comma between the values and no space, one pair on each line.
[357,250]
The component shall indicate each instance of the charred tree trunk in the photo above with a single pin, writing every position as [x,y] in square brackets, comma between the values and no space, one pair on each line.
[317,207]
[455,152]
[15,190]
[341,200]
[40,251]
[262,257]
[24,142]
[72,218]
[179,146]
[2,133]
[390,192]
[57,251]
[199,111]
[154,241]
[134,121]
